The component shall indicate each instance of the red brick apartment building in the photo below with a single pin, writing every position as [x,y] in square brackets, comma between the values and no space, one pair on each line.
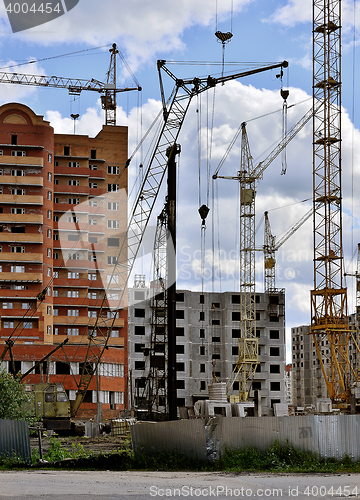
[43,177]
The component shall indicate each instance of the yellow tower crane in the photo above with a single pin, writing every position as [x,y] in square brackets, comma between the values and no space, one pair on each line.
[329,316]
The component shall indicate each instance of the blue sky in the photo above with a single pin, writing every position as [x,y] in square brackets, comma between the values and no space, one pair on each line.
[263,31]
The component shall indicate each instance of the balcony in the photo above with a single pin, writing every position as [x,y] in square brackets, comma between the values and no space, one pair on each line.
[21,218]
[35,258]
[21,277]
[28,161]
[83,339]
[84,320]
[72,171]
[16,180]
[72,263]
[15,199]
[65,207]
[71,190]
[21,238]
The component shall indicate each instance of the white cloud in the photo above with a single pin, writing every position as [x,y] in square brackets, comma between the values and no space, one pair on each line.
[144,27]
[17,92]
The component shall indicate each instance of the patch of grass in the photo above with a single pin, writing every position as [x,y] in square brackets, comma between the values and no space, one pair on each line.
[277,458]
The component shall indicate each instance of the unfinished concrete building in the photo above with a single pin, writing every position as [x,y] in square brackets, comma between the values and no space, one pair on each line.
[207,333]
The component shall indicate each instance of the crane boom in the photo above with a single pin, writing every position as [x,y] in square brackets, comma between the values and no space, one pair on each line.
[173,118]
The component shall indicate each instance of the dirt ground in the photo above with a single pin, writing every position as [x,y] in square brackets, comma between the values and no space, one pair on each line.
[103,444]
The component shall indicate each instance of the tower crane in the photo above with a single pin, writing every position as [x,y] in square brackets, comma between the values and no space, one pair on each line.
[174,112]
[75,86]
[271,246]
[329,316]
[248,176]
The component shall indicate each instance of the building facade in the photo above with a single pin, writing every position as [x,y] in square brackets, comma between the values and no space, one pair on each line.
[60,234]
[308,382]
[207,335]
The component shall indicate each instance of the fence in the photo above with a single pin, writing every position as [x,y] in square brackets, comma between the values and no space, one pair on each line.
[328,435]
[15,439]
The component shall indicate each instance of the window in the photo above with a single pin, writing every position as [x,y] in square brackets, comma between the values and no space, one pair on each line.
[139,330]
[49,195]
[56,292]
[202,350]
[113,242]
[235,316]
[93,239]
[215,305]
[7,305]
[18,173]
[92,276]
[113,224]
[93,167]
[274,319]
[73,331]
[73,201]
[113,188]
[235,334]
[215,339]
[73,276]
[274,334]
[14,140]
[73,312]
[235,299]
[28,325]
[25,305]
[139,313]
[49,272]
[257,316]
[49,233]
[113,205]
[180,349]
[180,367]
[72,218]
[17,249]
[274,351]
[18,192]
[202,368]
[256,385]
[202,385]
[56,163]
[112,170]
[202,333]
[202,299]
[180,314]
[113,279]
[215,322]
[275,386]
[18,211]
[18,229]
[92,257]
[48,310]
[235,350]
[93,203]
[113,260]
[93,185]
[49,214]
[139,365]
[180,384]
[92,314]
[73,182]
[66,150]
[55,311]
[274,368]
[73,293]
[179,331]
[18,153]
[73,237]
[93,154]
[73,164]
[56,274]
[49,158]
[202,316]
[93,222]
[8,324]
[17,269]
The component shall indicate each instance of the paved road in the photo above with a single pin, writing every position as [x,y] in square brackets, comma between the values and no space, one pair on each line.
[59,485]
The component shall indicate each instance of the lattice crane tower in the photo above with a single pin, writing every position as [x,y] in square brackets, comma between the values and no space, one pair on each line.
[329,318]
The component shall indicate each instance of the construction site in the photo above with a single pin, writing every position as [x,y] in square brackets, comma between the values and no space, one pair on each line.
[99,339]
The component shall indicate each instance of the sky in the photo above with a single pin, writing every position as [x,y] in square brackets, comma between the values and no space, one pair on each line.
[264,31]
